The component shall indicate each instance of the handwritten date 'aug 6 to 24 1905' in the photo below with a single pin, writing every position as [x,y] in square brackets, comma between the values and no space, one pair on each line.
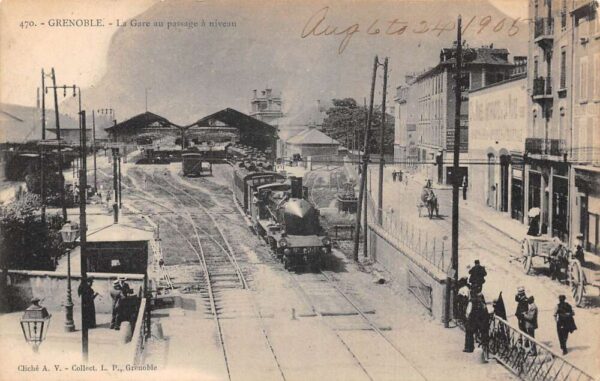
[319,25]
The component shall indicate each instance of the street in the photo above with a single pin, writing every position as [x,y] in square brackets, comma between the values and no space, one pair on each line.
[499,254]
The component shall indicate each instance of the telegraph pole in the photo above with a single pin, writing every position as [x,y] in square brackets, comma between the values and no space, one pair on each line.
[94,148]
[60,158]
[83,231]
[381,160]
[42,174]
[365,162]
[453,275]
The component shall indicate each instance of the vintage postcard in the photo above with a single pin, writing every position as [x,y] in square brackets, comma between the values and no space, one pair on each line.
[300,190]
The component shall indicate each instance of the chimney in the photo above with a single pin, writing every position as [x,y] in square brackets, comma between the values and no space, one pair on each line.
[296,189]
[319,105]
[254,91]
[268,93]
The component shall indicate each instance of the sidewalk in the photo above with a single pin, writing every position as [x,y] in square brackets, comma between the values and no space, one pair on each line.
[495,239]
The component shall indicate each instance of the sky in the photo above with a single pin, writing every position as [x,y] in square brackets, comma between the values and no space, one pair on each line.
[305,50]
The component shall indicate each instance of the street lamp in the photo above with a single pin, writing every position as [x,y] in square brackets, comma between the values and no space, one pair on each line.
[69,233]
[35,323]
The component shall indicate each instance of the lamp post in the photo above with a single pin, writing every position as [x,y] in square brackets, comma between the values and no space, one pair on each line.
[35,323]
[69,234]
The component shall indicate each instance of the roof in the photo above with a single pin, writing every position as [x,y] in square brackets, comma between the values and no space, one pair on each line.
[119,232]
[19,124]
[312,136]
[253,132]
[484,56]
[233,118]
[140,121]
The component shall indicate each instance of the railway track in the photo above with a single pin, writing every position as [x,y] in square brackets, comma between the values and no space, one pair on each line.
[220,268]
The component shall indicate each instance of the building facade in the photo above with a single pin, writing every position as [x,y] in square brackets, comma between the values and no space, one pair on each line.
[497,130]
[585,146]
[405,127]
[432,96]
[266,107]
[562,138]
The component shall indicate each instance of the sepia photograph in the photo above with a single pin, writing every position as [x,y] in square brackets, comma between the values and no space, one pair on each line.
[297,190]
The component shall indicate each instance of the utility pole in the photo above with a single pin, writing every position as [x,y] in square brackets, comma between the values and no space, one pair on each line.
[60,158]
[365,162]
[453,275]
[42,161]
[94,148]
[115,152]
[120,197]
[83,232]
[381,160]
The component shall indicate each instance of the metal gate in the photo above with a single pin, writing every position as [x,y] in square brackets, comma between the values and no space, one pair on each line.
[421,290]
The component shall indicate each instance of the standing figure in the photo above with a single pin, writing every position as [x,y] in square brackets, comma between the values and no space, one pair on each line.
[464,187]
[565,323]
[462,299]
[394,176]
[531,320]
[87,294]
[115,295]
[477,323]
[522,307]
[579,253]
[477,276]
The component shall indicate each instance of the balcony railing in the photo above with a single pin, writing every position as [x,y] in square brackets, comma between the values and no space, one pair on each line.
[540,146]
[544,27]
[542,86]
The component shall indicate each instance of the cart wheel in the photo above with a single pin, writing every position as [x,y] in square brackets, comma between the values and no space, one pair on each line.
[576,281]
[527,256]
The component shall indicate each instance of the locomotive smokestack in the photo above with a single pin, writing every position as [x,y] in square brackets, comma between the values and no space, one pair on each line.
[296,187]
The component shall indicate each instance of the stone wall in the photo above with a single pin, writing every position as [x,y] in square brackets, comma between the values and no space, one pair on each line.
[51,288]
[409,269]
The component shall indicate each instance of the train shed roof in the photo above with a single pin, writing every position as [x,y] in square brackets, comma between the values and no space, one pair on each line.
[140,121]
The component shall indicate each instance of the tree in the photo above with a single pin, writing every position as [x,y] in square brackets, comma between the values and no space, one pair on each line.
[25,241]
[346,122]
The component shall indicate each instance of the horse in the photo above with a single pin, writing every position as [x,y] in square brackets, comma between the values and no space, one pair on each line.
[432,204]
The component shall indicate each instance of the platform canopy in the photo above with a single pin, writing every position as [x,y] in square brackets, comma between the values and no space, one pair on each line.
[119,233]
[252,131]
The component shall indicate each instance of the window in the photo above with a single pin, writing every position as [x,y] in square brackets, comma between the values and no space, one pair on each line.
[563,68]
[583,79]
[535,67]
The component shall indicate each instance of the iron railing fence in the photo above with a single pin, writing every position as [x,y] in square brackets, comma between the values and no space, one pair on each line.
[427,245]
[526,357]
[141,331]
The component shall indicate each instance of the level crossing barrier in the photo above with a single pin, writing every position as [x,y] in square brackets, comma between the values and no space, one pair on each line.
[528,358]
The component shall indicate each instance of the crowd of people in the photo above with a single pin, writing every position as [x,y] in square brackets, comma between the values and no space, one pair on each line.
[472,310]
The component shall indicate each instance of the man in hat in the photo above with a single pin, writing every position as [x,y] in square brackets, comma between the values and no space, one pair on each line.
[115,295]
[531,320]
[579,253]
[87,294]
[477,276]
[522,307]
[565,323]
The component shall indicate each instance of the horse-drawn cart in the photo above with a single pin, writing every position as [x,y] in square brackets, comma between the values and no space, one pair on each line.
[563,264]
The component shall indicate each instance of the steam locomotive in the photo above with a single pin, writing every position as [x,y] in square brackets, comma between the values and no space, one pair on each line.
[282,215]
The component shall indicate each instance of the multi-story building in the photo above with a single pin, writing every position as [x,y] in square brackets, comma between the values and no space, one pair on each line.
[497,130]
[435,105]
[266,107]
[405,127]
[584,150]
[562,135]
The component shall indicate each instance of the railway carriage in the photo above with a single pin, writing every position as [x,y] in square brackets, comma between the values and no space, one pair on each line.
[192,164]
